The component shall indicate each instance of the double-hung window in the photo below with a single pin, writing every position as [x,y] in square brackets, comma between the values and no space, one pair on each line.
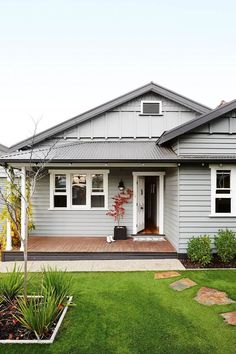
[60,191]
[223,192]
[97,190]
[78,189]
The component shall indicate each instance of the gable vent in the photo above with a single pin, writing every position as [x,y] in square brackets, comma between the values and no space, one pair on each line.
[152,108]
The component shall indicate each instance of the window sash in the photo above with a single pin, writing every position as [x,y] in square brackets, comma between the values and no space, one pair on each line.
[69,185]
[223,193]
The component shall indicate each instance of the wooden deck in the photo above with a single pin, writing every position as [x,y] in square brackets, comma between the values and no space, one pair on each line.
[95,244]
[72,248]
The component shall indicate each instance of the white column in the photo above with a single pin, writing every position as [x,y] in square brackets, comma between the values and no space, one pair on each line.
[23,206]
[8,243]
[161,204]
[8,231]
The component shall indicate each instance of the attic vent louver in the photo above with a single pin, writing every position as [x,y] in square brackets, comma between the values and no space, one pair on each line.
[152,108]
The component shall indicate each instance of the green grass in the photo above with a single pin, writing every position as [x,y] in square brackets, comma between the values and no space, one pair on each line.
[131,313]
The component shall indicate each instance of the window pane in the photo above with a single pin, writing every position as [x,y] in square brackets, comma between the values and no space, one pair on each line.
[97,201]
[223,205]
[223,191]
[60,201]
[97,183]
[79,190]
[223,179]
[60,183]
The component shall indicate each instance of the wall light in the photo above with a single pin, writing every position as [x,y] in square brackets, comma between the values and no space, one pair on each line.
[121,185]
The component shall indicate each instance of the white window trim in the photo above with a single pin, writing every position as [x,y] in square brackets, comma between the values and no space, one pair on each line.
[232,194]
[151,114]
[68,193]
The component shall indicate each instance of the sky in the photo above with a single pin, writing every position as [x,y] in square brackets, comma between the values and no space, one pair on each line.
[61,58]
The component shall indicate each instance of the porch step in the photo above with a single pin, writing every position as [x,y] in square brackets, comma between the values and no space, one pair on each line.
[148,238]
[69,256]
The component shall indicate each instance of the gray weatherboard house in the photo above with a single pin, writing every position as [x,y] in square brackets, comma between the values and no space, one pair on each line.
[179,156]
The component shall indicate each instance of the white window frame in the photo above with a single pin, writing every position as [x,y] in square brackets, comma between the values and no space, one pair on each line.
[231,195]
[69,175]
[151,114]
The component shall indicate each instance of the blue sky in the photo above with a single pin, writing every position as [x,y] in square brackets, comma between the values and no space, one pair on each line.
[60,58]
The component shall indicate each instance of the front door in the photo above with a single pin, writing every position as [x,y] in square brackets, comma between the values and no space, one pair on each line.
[140,203]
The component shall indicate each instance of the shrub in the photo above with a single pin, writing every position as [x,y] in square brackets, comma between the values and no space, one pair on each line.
[199,250]
[37,314]
[56,283]
[12,284]
[225,243]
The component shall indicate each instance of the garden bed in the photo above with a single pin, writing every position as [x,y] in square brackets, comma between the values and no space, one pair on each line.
[215,263]
[12,331]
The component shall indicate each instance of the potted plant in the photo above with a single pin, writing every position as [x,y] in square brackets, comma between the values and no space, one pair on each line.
[118,211]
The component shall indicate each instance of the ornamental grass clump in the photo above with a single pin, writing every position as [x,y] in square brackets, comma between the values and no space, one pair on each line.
[58,283]
[225,243]
[38,314]
[199,250]
[11,285]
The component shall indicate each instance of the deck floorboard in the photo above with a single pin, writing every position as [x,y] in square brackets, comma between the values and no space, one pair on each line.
[95,244]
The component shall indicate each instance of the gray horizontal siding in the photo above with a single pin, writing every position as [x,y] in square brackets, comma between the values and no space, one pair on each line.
[78,222]
[195,206]
[95,222]
[218,137]
[195,144]
[171,224]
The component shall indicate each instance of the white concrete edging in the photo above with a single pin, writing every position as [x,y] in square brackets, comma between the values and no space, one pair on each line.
[41,341]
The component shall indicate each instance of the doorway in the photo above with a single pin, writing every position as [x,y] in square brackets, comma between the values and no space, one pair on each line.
[148,202]
[151,215]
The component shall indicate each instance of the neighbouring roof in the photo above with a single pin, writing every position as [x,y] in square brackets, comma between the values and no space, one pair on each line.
[196,123]
[94,151]
[3,148]
[151,87]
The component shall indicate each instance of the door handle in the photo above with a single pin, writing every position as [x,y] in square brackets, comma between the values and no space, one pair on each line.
[141,208]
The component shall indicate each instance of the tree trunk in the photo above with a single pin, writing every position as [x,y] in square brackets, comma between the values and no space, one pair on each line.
[25,243]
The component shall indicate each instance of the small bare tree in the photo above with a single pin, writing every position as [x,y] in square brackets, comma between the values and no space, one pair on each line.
[34,172]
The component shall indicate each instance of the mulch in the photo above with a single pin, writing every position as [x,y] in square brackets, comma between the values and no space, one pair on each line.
[12,329]
[216,263]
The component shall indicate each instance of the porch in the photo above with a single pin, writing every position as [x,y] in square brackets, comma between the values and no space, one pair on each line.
[89,248]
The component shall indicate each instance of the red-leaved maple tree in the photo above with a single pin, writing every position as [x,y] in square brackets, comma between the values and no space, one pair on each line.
[118,211]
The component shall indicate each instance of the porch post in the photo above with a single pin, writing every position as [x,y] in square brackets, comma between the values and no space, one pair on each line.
[161,204]
[8,243]
[23,207]
[8,231]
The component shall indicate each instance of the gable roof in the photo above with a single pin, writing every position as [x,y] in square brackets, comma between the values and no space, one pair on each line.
[151,87]
[196,122]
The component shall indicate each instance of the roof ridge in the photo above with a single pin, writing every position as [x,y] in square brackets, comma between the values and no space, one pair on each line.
[110,105]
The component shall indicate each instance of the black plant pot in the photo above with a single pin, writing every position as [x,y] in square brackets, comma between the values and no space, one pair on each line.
[120,233]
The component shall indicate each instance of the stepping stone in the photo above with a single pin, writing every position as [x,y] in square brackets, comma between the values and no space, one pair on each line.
[164,275]
[230,317]
[209,296]
[182,284]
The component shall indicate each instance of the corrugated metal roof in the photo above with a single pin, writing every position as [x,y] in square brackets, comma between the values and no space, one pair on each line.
[96,151]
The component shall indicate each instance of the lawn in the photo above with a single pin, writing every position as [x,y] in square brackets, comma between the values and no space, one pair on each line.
[131,313]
